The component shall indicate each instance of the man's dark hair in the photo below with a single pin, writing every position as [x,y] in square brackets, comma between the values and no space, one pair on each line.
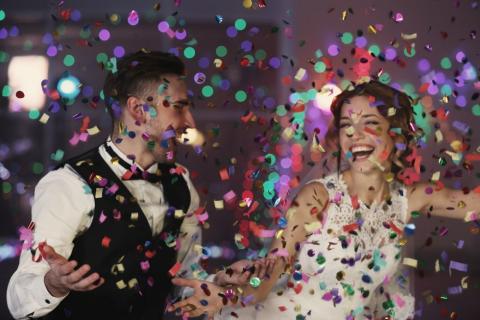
[134,73]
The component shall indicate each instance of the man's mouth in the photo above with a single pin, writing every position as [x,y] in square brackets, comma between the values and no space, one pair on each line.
[360,152]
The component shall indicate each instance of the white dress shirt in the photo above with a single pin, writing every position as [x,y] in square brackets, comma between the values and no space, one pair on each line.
[62,208]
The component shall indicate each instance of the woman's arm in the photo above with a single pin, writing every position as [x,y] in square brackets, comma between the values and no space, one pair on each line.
[307,208]
[442,202]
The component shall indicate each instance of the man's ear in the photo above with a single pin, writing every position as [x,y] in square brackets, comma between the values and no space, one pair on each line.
[134,109]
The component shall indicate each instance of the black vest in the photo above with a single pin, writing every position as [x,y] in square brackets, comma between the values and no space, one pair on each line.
[119,246]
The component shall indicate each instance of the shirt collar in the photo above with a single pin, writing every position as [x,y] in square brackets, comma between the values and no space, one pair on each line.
[127,163]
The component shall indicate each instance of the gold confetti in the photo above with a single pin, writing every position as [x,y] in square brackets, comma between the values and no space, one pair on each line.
[44,118]
[98,193]
[410,262]
[121,284]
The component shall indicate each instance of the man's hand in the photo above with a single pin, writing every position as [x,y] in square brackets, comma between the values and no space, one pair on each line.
[240,272]
[62,276]
[206,298]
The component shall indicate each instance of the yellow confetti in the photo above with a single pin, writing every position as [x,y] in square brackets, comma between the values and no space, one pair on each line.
[179,213]
[98,193]
[436,176]
[44,118]
[375,162]
[121,284]
[438,136]
[344,15]
[132,283]
[134,216]
[411,36]
[389,176]
[464,282]
[120,198]
[437,265]
[93,131]
[247,4]
[391,111]
[372,29]
[287,134]
[218,204]
[410,262]
[300,74]
[278,234]
[456,145]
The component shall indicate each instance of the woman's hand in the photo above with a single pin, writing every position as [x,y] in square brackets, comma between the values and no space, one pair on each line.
[207,298]
[240,272]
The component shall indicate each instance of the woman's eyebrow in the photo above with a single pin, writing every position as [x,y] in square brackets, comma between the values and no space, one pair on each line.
[369,115]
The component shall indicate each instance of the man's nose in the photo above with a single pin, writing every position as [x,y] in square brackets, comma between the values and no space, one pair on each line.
[188,120]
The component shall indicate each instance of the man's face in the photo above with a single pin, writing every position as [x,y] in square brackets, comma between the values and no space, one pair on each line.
[168,116]
[364,138]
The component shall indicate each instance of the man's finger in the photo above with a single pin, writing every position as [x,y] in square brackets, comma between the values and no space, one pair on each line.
[78,274]
[67,267]
[95,285]
[50,255]
[86,282]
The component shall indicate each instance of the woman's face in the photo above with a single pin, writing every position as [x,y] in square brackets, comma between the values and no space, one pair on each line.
[364,138]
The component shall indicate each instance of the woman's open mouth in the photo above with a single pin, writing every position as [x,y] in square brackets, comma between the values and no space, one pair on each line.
[361,152]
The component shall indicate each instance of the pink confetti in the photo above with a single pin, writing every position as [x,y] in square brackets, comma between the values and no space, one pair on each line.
[113,189]
[145,265]
[102,217]
[26,235]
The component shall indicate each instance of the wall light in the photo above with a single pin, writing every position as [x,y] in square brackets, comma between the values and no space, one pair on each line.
[25,74]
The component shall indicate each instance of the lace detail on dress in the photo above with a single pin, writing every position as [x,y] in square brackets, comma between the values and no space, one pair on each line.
[377,223]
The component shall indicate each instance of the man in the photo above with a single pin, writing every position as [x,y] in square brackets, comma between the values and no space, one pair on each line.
[113,225]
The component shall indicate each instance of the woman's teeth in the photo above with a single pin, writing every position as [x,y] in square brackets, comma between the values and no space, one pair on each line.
[361,152]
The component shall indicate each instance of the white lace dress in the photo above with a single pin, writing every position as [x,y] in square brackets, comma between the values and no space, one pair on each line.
[350,269]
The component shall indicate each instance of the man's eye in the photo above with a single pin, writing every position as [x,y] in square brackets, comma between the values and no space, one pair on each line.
[375,123]
[344,125]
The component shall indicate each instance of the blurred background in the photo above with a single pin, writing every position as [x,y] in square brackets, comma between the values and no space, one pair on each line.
[248,63]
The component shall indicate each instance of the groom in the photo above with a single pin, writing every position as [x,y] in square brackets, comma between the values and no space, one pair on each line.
[113,225]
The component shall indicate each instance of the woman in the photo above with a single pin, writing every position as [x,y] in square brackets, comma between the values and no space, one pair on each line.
[343,241]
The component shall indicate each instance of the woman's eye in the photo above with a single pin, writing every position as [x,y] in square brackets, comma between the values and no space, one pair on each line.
[344,125]
[375,123]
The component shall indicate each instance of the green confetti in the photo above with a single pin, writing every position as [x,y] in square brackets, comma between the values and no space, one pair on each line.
[346,38]
[320,67]
[33,114]
[445,63]
[37,168]
[221,51]
[207,91]
[69,60]
[189,52]
[6,91]
[240,24]
[240,96]
[476,109]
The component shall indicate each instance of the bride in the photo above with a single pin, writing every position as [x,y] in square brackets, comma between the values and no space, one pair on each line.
[342,246]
